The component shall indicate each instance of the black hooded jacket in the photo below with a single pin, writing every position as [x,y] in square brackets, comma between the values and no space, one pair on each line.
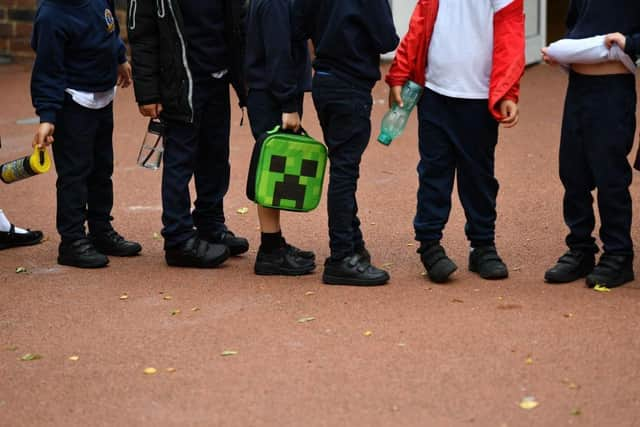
[161,72]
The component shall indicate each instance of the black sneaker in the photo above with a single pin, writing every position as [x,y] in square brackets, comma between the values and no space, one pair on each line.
[439,266]
[285,261]
[111,243]
[11,239]
[612,271]
[236,245]
[487,263]
[81,253]
[197,253]
[353,270]
[570,267]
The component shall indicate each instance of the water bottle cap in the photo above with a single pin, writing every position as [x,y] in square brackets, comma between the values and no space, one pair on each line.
[385,139]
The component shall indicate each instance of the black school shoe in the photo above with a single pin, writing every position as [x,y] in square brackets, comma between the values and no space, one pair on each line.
[438,265]
[197,253]
[237,245]
[487,263]
[353,270]
[285,261]
[612,271]
[11,239]
[111,243]
[570,267]
[82,254]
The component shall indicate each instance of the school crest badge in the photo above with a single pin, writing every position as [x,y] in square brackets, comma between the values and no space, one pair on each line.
[108,18]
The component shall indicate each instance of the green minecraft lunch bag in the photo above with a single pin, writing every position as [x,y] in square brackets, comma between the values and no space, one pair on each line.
[287,171]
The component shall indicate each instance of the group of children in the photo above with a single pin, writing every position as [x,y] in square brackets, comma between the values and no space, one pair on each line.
[469,56]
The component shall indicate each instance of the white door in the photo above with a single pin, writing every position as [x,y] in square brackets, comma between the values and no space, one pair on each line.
[536,28]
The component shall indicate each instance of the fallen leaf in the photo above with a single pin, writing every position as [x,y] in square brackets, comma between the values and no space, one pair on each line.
[529,360]
[150,371]
[387,265]
[529,403]
[600,288]
[409,244]
[171,370]
[11,348]
[243,211]
[576,412]
[373,223]
[194,309]
[124,297]
[368,333]
[21,270]
[457,300]
[228,353]
[175,312]
[516,268]
[401,344]
[309,293]
[167,297]
[306,319]
[568,315]
[423,274]
[573,386]
[30,356]
[157,236]
[74,358]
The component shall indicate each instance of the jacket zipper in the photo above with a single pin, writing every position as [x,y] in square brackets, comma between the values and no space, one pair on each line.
[184,58]
[133,8]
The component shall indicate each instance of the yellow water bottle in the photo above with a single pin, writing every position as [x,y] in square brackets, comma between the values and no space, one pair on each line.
[25,167]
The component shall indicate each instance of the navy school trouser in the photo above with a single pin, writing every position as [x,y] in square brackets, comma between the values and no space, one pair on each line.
[83,153]
[200,150]
[265,112]
[457,138]
[598,129]
[344,111]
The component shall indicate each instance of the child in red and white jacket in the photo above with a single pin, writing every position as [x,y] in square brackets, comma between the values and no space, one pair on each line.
[469,55]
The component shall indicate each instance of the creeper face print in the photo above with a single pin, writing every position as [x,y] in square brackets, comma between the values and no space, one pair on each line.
[291,176]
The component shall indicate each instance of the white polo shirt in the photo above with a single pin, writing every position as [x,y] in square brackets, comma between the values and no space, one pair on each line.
[461,49]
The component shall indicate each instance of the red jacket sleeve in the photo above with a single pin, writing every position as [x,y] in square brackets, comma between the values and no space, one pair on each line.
[411,56]
[508,55]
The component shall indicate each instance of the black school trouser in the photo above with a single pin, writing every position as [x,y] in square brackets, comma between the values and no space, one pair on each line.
[200,150]
[344,111]
[83,153]
[597,135]
[457,138]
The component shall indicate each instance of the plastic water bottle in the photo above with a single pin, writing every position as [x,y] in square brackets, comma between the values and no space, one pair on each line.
[395,120]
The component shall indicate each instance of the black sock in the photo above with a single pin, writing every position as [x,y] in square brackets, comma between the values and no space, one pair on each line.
[271,242]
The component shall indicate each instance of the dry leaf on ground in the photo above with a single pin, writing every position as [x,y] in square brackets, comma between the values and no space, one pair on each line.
[150,371]
[21,270]
[600,288]
[30,356]
[243,211]
[228,353]
[529,403]
[74,358]
[306,319]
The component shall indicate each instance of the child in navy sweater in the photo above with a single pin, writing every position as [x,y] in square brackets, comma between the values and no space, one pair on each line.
[80,58]
[278,72]
[349,36]
[598,130]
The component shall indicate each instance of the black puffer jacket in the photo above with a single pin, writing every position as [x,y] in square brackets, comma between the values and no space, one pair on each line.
[161,72]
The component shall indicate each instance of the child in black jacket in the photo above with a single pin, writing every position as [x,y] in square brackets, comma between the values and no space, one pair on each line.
[349,36]
[79,60]
[278,72]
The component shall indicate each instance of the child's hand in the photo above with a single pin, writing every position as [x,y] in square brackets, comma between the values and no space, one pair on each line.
[546,58]
[44,135]
[616,38]
[124,75]
[291,121]
[510,113]
[395,96]
[151,110]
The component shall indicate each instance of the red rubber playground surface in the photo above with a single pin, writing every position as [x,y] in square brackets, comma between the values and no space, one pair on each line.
[233,349]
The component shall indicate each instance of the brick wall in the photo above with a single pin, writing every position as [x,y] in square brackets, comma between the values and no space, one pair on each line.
[16,23]
[16,17]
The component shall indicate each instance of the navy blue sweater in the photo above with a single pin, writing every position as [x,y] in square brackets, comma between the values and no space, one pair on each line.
[77,46]
[589,18]
[205,36]
[273,61]
[349,36]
